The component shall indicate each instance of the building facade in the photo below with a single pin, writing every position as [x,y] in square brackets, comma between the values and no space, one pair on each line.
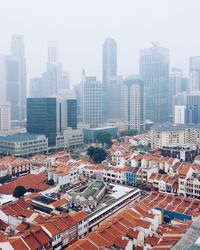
[5,117]
[51,115]
[154,70]
[23,144]
[133,103]
[194,75]
[165,134]
[92,101]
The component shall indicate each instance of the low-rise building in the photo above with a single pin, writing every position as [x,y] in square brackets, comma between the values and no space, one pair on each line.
[90,135]
[69,139]
[165,134]
[82,219]
[183,152]
[63,174]
[23,144]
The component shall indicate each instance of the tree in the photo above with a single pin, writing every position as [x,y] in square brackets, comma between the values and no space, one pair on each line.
[5,178]
[50,182]
[91,151]
[19,191]
[130,132]
[100,155]
[97,154]
[104,138]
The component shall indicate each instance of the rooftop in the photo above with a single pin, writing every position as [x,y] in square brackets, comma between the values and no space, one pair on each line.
[20,137]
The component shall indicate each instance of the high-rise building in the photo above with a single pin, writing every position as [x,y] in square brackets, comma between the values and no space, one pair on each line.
[109,59]
[51,115]
[154,70]
[5,117]
[3,80]
[194,81]
[190,102]
[92,101]
[175,82]
[114,88]
[54,79]
[109,71]
[133,103]
[18,54]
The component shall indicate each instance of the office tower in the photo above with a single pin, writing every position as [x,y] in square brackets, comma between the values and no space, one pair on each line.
[176,76]
[52,52]
[50,116]
[180,114]
[3,79]
[9,84]
[79,96]
[18,54]
[185,84]
[109,70]
[114,88]
[5,117]
[154,70]
[193,107]
[194,75]
[35,87]
[54,79]
[109,59]
[92,101]
[41,117]
[133,103]
[190,102]
[65,81]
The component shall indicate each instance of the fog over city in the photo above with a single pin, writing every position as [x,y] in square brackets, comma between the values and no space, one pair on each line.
[81,26]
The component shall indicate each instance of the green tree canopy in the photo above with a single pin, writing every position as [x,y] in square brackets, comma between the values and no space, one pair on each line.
[104,138]
[19,191]
[50,182]
[130,132]
[97,154]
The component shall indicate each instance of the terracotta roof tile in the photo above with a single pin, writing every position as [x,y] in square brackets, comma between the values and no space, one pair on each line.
[79,216]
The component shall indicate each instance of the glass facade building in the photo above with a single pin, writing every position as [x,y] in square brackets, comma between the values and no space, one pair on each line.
[41,117]
[72,114]
[154,69]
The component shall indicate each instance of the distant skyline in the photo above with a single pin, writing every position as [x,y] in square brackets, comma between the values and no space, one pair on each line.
[81,26]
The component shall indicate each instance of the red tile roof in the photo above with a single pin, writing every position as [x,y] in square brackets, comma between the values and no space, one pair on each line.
[79,216]
[59,203]
[152,240]
[30,181]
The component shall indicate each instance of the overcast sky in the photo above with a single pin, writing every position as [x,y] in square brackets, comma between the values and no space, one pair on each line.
[80,26]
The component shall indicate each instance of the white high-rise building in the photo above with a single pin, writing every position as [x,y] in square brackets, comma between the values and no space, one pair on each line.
[176,77]
[133,103]
[18,55]
[5,117]
[194,81]
[92,101]
[180,114]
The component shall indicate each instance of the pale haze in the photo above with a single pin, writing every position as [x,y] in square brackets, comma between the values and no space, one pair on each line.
[80,27]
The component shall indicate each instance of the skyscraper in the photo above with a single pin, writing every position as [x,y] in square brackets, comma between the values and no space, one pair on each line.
[41,118]
[92,101]
[176,76]
[194,81]
[109,71]
[114,88]
[53,79]
[109,59]
[51,115]
[5,117]
[18,54]
[133,103]
[154,70]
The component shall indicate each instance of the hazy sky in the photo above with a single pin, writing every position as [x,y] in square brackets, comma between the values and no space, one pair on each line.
[80,26]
